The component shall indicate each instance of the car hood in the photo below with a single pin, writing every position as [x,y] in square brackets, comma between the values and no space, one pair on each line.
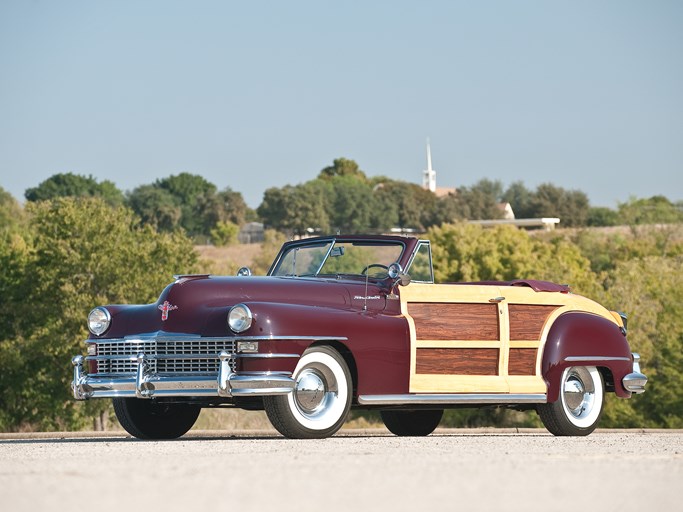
[199,304]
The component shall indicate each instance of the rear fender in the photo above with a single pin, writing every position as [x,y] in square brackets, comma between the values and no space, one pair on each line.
[585,339]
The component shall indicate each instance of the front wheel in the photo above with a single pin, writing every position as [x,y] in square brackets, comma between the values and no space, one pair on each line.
[320,401]
[578,410]
[155,419]
[412,423]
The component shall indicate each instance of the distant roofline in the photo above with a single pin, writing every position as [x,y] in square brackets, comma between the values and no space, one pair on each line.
[548,223]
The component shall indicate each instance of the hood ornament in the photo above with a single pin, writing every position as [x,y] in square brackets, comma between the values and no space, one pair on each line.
[165,308]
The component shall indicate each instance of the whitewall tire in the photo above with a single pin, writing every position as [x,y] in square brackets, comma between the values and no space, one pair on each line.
[320,401]
[580,405]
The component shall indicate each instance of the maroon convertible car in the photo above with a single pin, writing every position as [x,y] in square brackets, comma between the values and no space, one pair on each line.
[355,321]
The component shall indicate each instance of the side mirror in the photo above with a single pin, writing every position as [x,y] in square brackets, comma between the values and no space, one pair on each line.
[396,273]
[244,272]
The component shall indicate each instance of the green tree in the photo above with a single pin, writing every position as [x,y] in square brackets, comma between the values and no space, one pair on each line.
[654,210]
[75,185]
[297,209]
[342,167]
[476,204]
[224,206]
[191,193]
[233,208]
[571,206]
[606,251]
[600,216]
[401,204]
[385,214]
[75,255]
[489,188]
[11,213]
[650,290]
[520,198]
[467,252]
[351,204]
[224,233]
[188,201]
[156,207]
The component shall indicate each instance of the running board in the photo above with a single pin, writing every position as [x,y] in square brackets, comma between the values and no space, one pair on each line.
[453,399]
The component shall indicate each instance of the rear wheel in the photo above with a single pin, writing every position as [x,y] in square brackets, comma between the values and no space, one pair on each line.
[579,408]
[412,423]
[320,401]
[155,419]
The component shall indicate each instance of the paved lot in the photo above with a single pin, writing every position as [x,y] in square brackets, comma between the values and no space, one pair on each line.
[450,470]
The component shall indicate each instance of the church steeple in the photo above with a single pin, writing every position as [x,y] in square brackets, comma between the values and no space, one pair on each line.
[429,174]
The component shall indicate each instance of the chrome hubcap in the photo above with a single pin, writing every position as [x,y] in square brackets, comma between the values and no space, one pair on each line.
[578,392]
[321,396]
[310,390]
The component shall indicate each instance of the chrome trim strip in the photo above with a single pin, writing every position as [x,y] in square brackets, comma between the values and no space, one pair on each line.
[143,337]
[573,359]
[452,399]
[190,356]
[324,260]
[240,355]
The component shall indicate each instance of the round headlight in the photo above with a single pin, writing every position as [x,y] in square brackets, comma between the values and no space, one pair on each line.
[239,318]
[99,320]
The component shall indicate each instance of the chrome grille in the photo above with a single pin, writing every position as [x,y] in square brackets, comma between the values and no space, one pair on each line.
[193,356]
[188,365]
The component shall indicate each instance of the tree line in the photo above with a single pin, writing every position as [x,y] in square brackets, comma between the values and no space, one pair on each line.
[344,198]
[61,257]
[78,243]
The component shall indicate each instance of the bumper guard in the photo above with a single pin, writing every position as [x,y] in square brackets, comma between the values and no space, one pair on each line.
[635,382]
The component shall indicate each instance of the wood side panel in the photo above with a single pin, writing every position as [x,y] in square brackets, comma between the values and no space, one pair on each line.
[527,320]
[457,361]
[522,361]
[440,321]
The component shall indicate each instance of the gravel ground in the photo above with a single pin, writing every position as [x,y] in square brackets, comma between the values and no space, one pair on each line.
[451,469]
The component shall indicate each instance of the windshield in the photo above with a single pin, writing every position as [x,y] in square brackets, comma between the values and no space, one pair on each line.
[334,258]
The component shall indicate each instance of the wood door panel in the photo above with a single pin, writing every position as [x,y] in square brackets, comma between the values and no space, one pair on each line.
[522,361]
[441,321]
[460,361]
[527,320]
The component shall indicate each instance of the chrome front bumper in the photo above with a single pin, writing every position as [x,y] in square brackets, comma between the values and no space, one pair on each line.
[635,381]
[146,384]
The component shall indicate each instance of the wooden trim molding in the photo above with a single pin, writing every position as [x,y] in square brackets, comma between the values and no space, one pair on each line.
[457,361]
[439,321]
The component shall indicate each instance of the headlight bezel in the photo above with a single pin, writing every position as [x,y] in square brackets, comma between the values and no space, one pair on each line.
[240,318]
[100,325]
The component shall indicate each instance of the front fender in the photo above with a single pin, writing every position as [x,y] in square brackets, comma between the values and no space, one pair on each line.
[585,339]
[379,344]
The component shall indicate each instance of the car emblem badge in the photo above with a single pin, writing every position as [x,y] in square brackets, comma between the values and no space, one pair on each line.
[165,308]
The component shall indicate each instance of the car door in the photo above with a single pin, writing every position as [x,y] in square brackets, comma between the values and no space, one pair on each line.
[461,340]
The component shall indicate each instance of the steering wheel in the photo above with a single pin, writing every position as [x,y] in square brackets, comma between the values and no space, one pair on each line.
[365,270]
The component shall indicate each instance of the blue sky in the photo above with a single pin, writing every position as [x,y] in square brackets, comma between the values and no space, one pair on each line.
[584,94]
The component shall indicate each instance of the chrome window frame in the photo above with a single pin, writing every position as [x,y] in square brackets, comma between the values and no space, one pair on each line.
[418,246]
